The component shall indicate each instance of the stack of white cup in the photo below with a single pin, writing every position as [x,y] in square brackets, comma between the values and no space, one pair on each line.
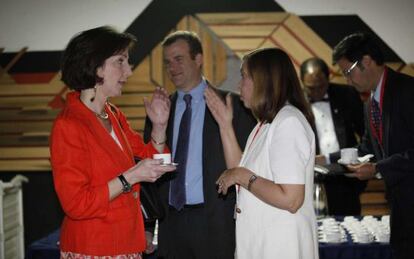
[379,229]
[330,231]
[358,232]
[368,230]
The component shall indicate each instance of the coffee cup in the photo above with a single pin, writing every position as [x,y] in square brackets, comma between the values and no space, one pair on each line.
[349,155]
[166,157]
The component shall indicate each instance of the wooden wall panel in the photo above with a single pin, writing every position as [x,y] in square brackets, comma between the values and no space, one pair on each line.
[220,64]
[18,102]
[28,89]
[291,45]
[236,30]
[308,38]
[141,73]
[156,66]
[409,70]
[25,152]
[208,56]
[182,24]
[25,165]
[6,79]
[194,25]
[243,45]
[243,18]
[21,127]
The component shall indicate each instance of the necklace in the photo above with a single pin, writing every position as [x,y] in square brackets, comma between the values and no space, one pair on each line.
[103,115]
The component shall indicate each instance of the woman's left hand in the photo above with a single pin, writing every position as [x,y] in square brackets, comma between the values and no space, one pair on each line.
[158,108]
[221,110]
[227,179]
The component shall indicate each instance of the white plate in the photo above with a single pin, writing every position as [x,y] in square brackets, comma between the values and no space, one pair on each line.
[321,169]
[174,164]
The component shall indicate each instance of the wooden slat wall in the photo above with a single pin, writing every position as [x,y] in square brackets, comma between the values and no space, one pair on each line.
[26,115]
[220,68]
[208,55]
[373,199]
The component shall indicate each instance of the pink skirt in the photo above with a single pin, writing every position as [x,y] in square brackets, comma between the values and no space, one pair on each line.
[70,255]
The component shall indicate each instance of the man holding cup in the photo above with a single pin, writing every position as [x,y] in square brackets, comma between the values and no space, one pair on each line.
[339,124]
[389,121]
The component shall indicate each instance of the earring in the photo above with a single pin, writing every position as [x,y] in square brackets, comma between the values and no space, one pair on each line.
[94,90]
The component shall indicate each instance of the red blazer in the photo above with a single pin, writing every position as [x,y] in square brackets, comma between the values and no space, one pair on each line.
[84,158]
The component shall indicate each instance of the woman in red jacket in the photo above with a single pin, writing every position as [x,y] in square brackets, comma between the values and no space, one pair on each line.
[93,147]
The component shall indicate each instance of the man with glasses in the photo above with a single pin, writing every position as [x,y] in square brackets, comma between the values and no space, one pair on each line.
[347,72]
[389,116]
[339,121]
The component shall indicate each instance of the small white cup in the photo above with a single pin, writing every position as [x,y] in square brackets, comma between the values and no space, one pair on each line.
[166,157]
[349,155]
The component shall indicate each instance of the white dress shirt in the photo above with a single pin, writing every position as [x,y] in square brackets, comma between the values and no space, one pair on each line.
[328,142]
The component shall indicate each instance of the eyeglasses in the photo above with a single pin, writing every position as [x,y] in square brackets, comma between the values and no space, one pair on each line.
[347,73]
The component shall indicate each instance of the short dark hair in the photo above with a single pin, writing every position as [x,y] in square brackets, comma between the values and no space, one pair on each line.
[190,37]
[314,62]
[275,82]
[87,51]
[353,47]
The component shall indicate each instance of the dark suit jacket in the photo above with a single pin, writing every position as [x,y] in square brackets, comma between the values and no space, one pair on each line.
[347,115]
[219,209]
[348,119]
[395,155]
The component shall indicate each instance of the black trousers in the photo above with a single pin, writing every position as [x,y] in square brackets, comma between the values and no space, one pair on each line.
[189,226]
[403,249]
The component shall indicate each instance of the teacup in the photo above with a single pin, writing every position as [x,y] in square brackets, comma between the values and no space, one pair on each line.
[166,157]
[349,155]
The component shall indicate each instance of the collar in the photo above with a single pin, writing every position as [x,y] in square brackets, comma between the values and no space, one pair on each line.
[197,93]
[376,94]
[325,98]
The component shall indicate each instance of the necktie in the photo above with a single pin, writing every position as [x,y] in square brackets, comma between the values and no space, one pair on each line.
[177,186]
[375,116]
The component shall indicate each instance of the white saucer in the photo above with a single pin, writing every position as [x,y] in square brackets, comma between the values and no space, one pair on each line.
[174,164]
[351,163]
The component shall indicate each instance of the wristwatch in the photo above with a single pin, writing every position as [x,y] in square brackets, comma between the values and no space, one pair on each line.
[126,187]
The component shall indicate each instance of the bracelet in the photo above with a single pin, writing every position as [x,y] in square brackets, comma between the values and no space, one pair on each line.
[251,180]
[158,143]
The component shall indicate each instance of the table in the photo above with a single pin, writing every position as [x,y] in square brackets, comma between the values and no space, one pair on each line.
[47,247]
[350,250]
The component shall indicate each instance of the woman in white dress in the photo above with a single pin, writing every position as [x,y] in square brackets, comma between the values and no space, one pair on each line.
[274,211]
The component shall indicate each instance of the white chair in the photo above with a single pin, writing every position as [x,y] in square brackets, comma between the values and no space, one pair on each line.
[11,218]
